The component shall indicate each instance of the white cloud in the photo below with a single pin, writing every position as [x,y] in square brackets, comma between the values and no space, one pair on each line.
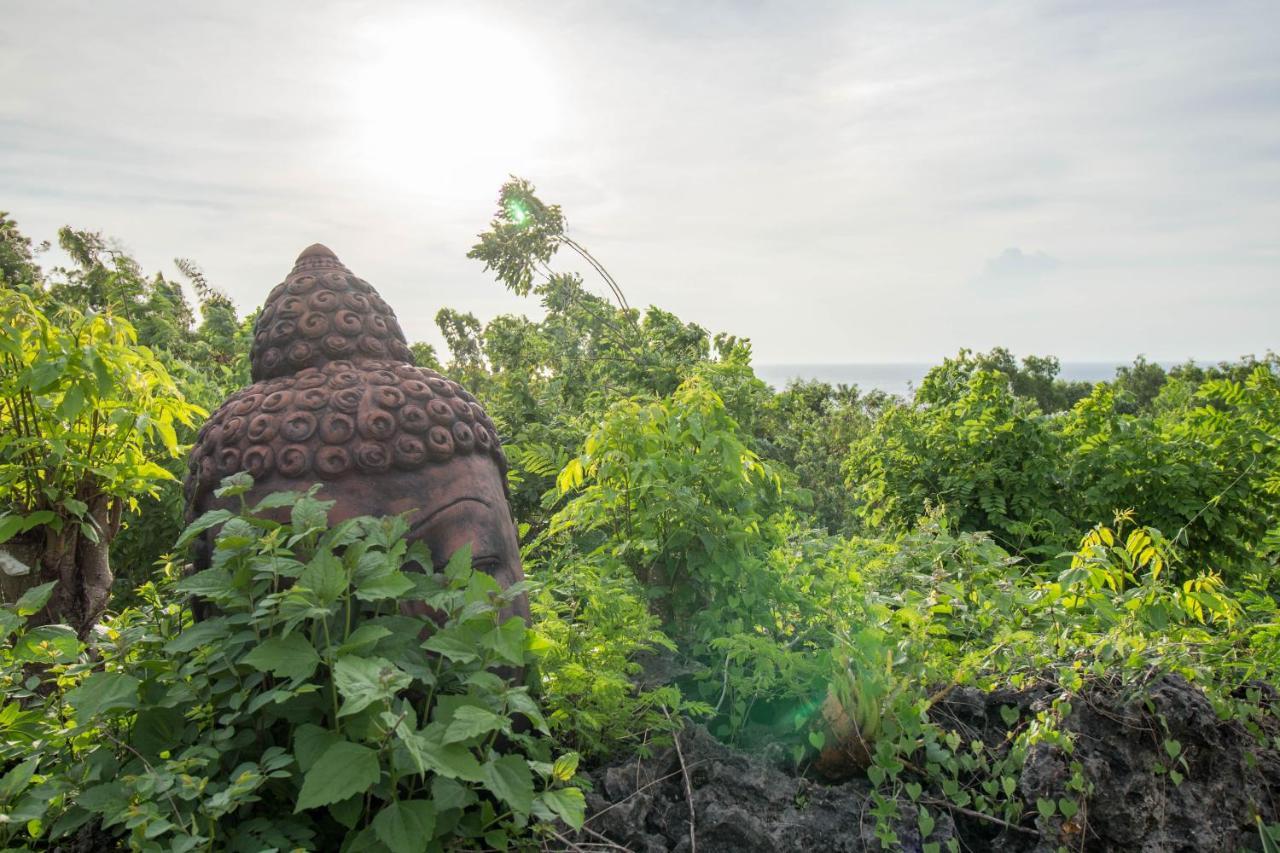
[825,180]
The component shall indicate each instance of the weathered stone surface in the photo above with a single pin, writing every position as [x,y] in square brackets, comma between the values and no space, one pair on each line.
[742,803]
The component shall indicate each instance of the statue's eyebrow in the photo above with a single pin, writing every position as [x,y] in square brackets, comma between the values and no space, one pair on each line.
[427,518]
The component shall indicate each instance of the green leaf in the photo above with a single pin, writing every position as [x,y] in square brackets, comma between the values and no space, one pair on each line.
[210,519]
[925,822]
[210,583]
[310,514]
[310,742]
[1047,808]
[203,633]
[15,781]
[406,826]
[507,640]
[565,766]
[510,779]
[9,622]
[469,721]
[288,657]
[568,804]
[448,794]
[363,681]
[453,761]
[1067,807]
[391,584]
[452,646]
[363,639]
[234,486]
[348,811]
[276,500]
[101,693]
[1172,747]
[34,599]
[459,565]
[344,770]
[47,644]
[325,576]
[10,525]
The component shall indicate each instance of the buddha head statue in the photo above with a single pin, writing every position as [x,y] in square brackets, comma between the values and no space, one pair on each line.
[336,400]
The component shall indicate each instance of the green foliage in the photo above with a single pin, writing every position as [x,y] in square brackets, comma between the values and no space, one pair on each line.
[1201,468]
[81,406]
[809,571]
[310,713]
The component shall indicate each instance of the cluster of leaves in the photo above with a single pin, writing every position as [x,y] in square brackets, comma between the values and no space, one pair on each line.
[1200,463]
[808,570]
[310,713]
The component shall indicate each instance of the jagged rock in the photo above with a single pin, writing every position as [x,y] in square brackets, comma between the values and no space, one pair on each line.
[740,803]
[743,803]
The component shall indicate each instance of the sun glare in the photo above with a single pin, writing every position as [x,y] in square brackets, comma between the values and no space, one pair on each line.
[448,104]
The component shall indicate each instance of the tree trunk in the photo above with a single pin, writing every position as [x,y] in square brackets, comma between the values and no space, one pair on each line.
[81,567]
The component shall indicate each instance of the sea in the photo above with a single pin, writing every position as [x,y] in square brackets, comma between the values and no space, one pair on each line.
[902,377]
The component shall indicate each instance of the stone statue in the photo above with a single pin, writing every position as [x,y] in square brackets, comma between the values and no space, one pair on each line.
[336,400]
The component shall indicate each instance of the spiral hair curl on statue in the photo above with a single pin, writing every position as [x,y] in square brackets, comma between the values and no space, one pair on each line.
[335,392]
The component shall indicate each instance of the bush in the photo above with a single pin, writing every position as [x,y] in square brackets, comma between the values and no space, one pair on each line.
[309,713]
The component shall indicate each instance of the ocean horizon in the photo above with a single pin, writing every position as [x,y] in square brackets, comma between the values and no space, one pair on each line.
[901,377]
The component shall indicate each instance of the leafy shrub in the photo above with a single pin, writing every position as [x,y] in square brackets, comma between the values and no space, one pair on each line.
[309,713]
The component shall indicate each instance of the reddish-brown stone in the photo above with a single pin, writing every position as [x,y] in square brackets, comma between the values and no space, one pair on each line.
[337,401]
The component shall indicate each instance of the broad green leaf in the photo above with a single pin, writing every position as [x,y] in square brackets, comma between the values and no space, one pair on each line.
[568,804]
[101,693]
[469,721]
[33,599]
[276,500]
[325,576]
[203,633]
[288,657]
[310,742]
[210,583]
[565,766]
[406,826]
[15,781]
[210,519]
[363,639]
[448,794]
[510,779]
[9,622]
[345,769]
[508,640]
[459,565]
[448,643]
[453,761]
[47,644]
[391,584]
[363,681]
[310,514]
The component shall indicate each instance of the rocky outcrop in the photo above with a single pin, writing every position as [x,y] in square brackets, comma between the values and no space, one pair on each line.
[741,802]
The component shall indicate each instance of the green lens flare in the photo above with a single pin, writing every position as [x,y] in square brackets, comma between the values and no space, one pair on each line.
[516,211]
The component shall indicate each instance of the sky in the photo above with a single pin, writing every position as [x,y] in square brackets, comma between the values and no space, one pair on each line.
[839,182]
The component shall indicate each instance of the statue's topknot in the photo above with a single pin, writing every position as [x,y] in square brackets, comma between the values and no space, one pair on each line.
[335,393]
[322,313]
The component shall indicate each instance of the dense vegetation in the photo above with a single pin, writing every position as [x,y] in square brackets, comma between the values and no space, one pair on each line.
[810,569]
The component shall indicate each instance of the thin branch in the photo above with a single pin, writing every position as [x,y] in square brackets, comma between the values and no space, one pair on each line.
[980,816]
[688,788]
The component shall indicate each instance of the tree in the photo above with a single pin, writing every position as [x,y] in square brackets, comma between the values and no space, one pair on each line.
[83,408]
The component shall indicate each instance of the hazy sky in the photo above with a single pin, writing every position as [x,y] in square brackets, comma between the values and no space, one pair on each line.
[838,182]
